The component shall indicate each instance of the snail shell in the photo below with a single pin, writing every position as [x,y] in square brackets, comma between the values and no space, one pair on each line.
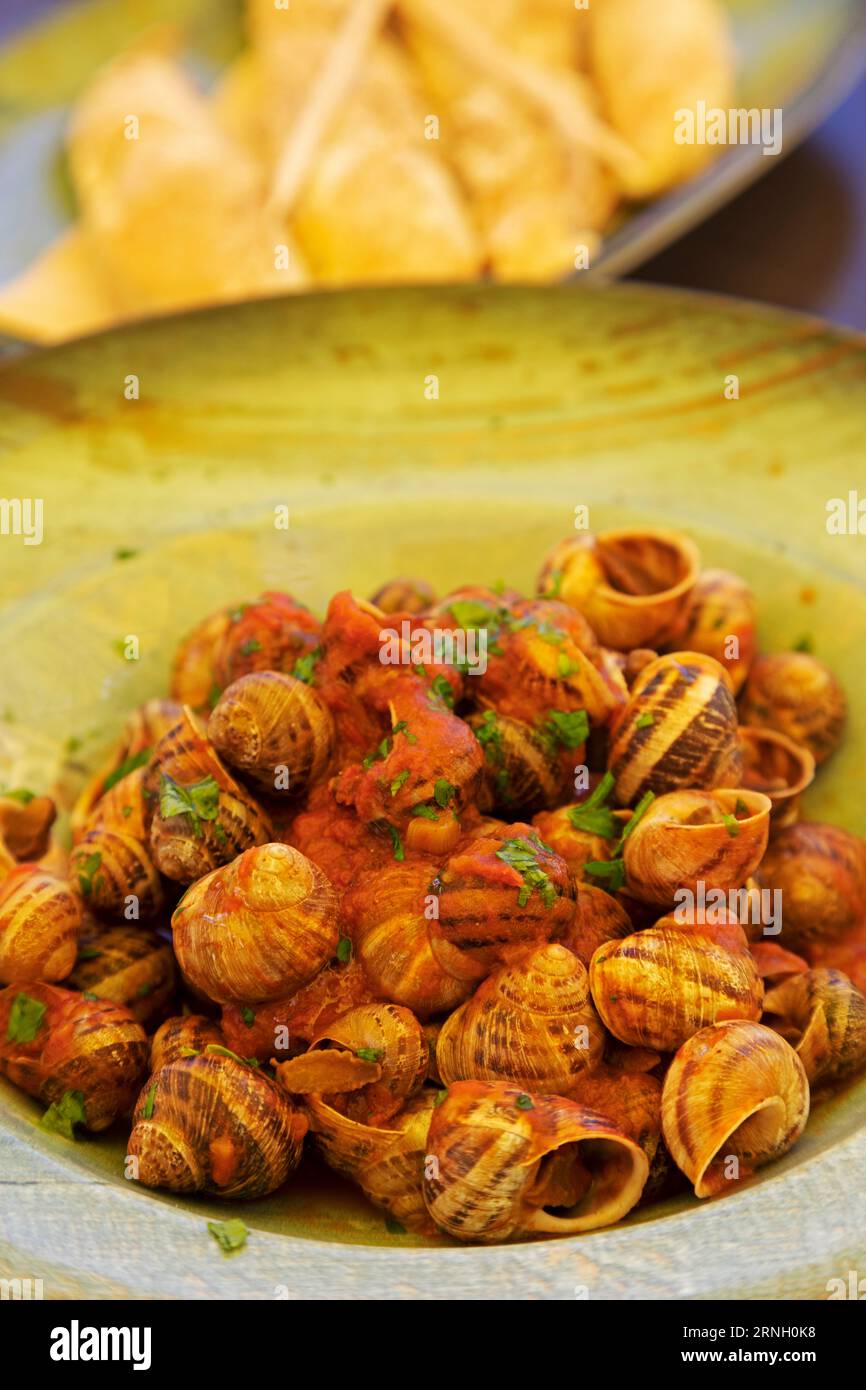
[278,1026]
[111,868]
[126,807]
[387,1038]
[735,1090]
[678,730]
[691,836]
[519,769]
[633,584]
[531,1022]
[820,871]
[782,769]
[798,696]
[576,847]
[128,965]
[86,1045]
[722,606]
[192,676]
[393,942]
[823,1016]
[633,1100]
[212,1124]
[180,1036]
[143,729]
[40,918]
[659,987]
[25,829]
[185,849]
[268,722]
[257,929]
[270,634]
[404,596]
[599,917]
[498,1157]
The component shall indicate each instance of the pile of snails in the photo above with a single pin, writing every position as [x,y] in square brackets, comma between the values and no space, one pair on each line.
[489,934]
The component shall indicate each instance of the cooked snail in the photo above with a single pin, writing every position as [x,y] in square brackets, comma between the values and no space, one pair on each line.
[798,696]
[56,1041]
[275,730]
[274,633]
[531,1022]
[40,918]
[716,838]
[181,1037]
[25,827]
[128,965]
[782,769]
[116,875]
[633,585]
[823,1016]
[734,1098]
[257,929]
[678,730]
[504,1162]
[521,768]
[193,681]
[721,619]
[283,1026]
[599,917]
[661,986]
[404,596]
[211,1123]
[820,872]
[142,731]
[203,817]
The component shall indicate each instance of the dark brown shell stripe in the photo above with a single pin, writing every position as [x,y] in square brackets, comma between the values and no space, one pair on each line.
[38,903]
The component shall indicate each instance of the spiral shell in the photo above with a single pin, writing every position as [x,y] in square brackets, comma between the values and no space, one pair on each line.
[278,1027]
[111,869]
[780,768]
[633,584]
[498,1157]
[40,918]
[633,1100]
[212,1124]
[270,634]
[128,965]
[576,847]
[798,696]
[520,769]
[404,596]
[820,871]
[722,607]
[400,957]
[181,1036]
[274,729]
[734,1091]
[823,1016]
[141,732]
[599,918]
[186,846]
[678,730]
[386,1038]
[127,807]
[687,837]
[86,1045]
[661,986]
[193,681]
[531,1023]
[25,828]
[257,929]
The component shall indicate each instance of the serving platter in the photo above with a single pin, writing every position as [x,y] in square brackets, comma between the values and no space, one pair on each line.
[798,55]
[451,434]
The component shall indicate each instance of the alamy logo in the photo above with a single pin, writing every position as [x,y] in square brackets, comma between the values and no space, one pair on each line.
[22,516]
[76,1343]
[422,647]
[21,1290]
[713,125]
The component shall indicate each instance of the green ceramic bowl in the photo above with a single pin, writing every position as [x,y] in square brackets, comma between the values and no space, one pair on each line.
[158,509]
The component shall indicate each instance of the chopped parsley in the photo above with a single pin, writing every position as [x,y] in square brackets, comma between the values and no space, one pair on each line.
[251,645]
[229,1235]
[220,1051]
[64,1114]
[566,728]
[740,807]
[565,667]
[444,690]
[89,953]
[86,872]
[382,749]
[644,721]
[396,843]
[135,760]
[732,825]
[213,696]
[524,1102]
[638,814]
[554,588]
[522,855]
[593,815]
[399,780]
[368,1054]
[20,794]
[248,1015]
[471,613]
[25,1019]
[806,643]
[425,811]
[393,1227]
[611,870]
[305,667]
[344,949]
[199,801]
[443,793]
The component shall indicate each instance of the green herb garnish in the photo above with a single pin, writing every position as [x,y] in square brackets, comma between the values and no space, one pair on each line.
[740,807]
[128,765]
[25,1019]
[393,1227]
[199,801]
[86,872]
[804,644]
[251,645]
[638,814]
[443,793]
[305,666]
[612,870]
[592,815]
[64,1114]
[425,811]
[399,780]
[444,689]
[566,728]
[524,1102]
[732,825]
[368,1054]
[644,721]
[20,794]
[230,1235]
[344,949]
[522,855]
[221,1051]
[248,1015]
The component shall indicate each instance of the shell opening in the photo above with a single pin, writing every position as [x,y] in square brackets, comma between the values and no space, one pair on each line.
[606,1176]
[755,1138]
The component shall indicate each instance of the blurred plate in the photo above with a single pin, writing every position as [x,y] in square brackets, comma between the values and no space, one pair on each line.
[800,55]
[609,398]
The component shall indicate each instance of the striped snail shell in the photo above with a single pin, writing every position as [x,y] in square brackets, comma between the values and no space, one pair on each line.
[402,959]
[782,769]
[386,1039]
[820,871]
[40,918]
[798,696]
[203,817]
[111,868]
[678,730]
[126,807]
[503,1162]
[661,986]
[735,1097]
[520,769]
[531,1022]
[86,1045]
[192,675]
[823,1016]
[181,1036]
[278,1026]
[210,1123]
[576,847]
[686,837]
[128,965]
[258,928]
[270,634]
[599,917]
[142,731]
[721,607]
[633,584]
[404,596]
[268,723]
[633,1099]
